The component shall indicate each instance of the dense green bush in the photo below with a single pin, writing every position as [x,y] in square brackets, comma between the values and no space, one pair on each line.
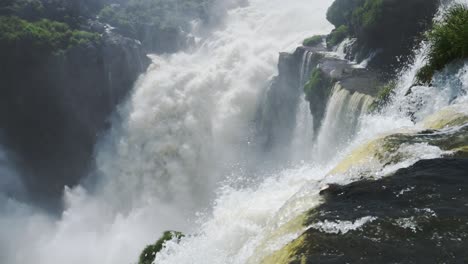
[149,253]
[448,42]
[43,35]
[72,12]
[312,41]
[366,16]
[337,36]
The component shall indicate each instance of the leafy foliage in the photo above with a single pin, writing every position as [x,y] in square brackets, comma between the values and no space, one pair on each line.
[134,15]
[42,36]
[391,27]
[340,12]
[448,42]
[316,81]
[337,36]
[383,97]
[367,15]
[312,41]
[149,253]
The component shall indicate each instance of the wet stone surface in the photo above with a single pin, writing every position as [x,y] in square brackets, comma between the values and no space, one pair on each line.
[418,215]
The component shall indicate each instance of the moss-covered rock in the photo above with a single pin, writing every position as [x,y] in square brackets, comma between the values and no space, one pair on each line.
[148,255]
[448,42]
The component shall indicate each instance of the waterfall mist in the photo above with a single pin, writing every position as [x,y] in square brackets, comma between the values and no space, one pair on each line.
[248,224]
[183,130]
[181,152]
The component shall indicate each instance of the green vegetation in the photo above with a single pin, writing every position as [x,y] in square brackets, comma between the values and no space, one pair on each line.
[391,27]
[43,35]
[317,78]
[356,15]
[366,16]
[448,42]
[383,97]
[149,253]
[312,41]
[318,85]
[136,16]
[341,11]
[337,36]
[74,13]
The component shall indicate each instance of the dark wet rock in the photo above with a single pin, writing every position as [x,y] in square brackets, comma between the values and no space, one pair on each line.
[276,117]
[327,71]
[388,30]
[54,107]
[418,215]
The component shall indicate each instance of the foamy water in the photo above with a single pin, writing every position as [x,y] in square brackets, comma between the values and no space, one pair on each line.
[177,152]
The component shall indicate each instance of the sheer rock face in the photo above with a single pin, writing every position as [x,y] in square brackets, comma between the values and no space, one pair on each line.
[53,109]
[276,116]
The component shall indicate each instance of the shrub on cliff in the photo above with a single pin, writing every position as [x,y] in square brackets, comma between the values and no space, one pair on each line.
[312,41]
[318,85]
[337,36]
[448,42]
[340,12]
[149,253]
[365,17]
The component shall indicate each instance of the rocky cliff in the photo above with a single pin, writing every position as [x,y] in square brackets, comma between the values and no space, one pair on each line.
[52,110]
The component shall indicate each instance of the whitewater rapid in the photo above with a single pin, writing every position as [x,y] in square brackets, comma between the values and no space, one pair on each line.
[184,129]
[179,153]
[248,224]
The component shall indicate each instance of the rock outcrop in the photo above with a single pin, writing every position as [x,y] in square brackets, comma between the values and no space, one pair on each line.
[387,30]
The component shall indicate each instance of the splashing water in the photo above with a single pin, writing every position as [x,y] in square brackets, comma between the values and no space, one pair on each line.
[303,136]
[185,125]
[341,120]
[244,220]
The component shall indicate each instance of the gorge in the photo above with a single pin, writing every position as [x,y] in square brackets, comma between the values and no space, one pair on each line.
[258,148]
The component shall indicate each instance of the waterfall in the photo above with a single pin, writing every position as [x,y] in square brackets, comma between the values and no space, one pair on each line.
[184,130]
[303,136]
[341,120]
[248,224]
[178,152]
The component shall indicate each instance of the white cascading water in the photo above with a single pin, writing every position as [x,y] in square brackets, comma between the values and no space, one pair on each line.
[341,119]
[247,224]
[303,136]
[185,127]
